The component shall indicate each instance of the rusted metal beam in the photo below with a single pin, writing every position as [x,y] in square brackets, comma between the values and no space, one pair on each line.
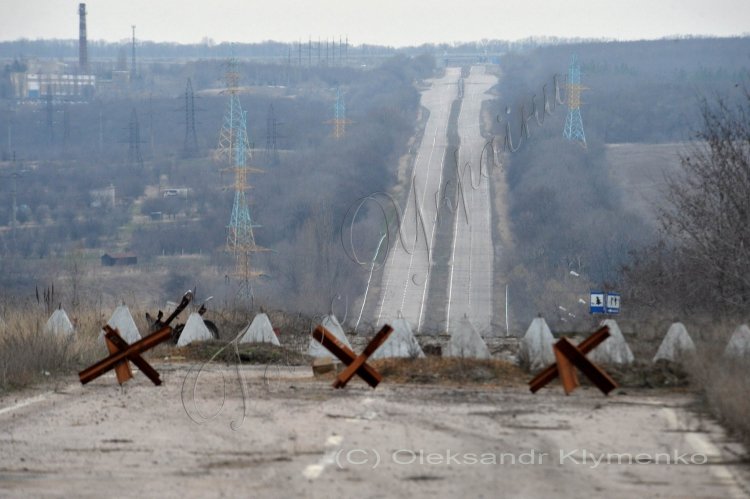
[136,359]
[371,376]
[122,369]
[598,376]
[551,372]
[568,375]
[140,346]
[344,376]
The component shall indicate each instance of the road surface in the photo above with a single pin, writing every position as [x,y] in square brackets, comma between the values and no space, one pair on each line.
[407,271]
[301,438]
[470,281]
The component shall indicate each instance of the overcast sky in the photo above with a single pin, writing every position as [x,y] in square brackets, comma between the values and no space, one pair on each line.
[387,22]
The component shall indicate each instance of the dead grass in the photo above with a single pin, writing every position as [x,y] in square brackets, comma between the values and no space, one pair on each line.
[725,386]
[647,374]
[251,353]
[28,354]
[451,370]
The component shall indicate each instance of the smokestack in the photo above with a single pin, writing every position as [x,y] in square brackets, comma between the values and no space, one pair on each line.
[83,51]
[132,63]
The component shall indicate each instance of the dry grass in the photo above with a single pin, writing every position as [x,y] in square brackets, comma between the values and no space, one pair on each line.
[725,385]
[451,370]
[28,354]
[251,353]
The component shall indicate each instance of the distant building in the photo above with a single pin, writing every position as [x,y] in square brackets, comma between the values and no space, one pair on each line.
[110,260]
[34,86]
[103,197]
[182,192]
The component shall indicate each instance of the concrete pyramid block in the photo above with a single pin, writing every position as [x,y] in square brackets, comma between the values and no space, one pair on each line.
[59,323]
[614,350]
[535,351]
[401,342]
[739,343]
[331,324]
[195,330]
[123,321]
[675,344]
[260,330]
[466,342]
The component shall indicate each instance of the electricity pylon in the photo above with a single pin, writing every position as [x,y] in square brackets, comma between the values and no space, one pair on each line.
[190,147]
[271,152]
[573,130]
[135,158]
[339,120]
[234,148]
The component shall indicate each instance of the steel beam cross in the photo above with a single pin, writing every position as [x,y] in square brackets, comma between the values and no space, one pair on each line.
[120,352]
[355,364]
[570,356]
[124,353]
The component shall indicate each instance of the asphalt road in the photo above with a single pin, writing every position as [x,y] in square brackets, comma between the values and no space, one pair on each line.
[470,281]
[407,271]
[301,438]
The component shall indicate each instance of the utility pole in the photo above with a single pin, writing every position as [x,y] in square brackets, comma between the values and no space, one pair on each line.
[50,116]
[14,175]
[101,129]
[66,126]
[14,210]
[151,122]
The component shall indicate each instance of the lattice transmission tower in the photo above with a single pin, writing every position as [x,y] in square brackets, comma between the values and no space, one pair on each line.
[271,153]
[190,147]
[234,150]
[339,120]
[573,130]
[135,158]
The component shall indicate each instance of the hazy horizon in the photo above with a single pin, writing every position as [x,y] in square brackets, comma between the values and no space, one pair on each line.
[389,22]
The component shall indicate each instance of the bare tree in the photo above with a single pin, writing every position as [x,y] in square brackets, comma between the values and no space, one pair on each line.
[707,215]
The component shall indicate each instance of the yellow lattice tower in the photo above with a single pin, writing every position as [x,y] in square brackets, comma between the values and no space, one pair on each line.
[232,119]
[339,121]
[234,148]
[574,95]
[573,129]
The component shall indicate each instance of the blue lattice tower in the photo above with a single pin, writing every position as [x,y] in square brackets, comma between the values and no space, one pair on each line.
[234,149]
[232,126]
[339,120]
[573,130]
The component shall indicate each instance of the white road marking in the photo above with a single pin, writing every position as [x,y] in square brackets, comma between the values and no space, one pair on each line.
[313,471]
[23,403]
[702,445]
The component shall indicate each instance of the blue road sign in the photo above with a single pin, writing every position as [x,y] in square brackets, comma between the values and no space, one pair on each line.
[597,302]
[613,303]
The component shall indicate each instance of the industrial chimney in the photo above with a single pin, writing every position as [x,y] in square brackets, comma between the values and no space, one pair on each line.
[83,52]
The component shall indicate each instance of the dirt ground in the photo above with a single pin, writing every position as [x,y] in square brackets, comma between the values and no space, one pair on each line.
[301,438]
